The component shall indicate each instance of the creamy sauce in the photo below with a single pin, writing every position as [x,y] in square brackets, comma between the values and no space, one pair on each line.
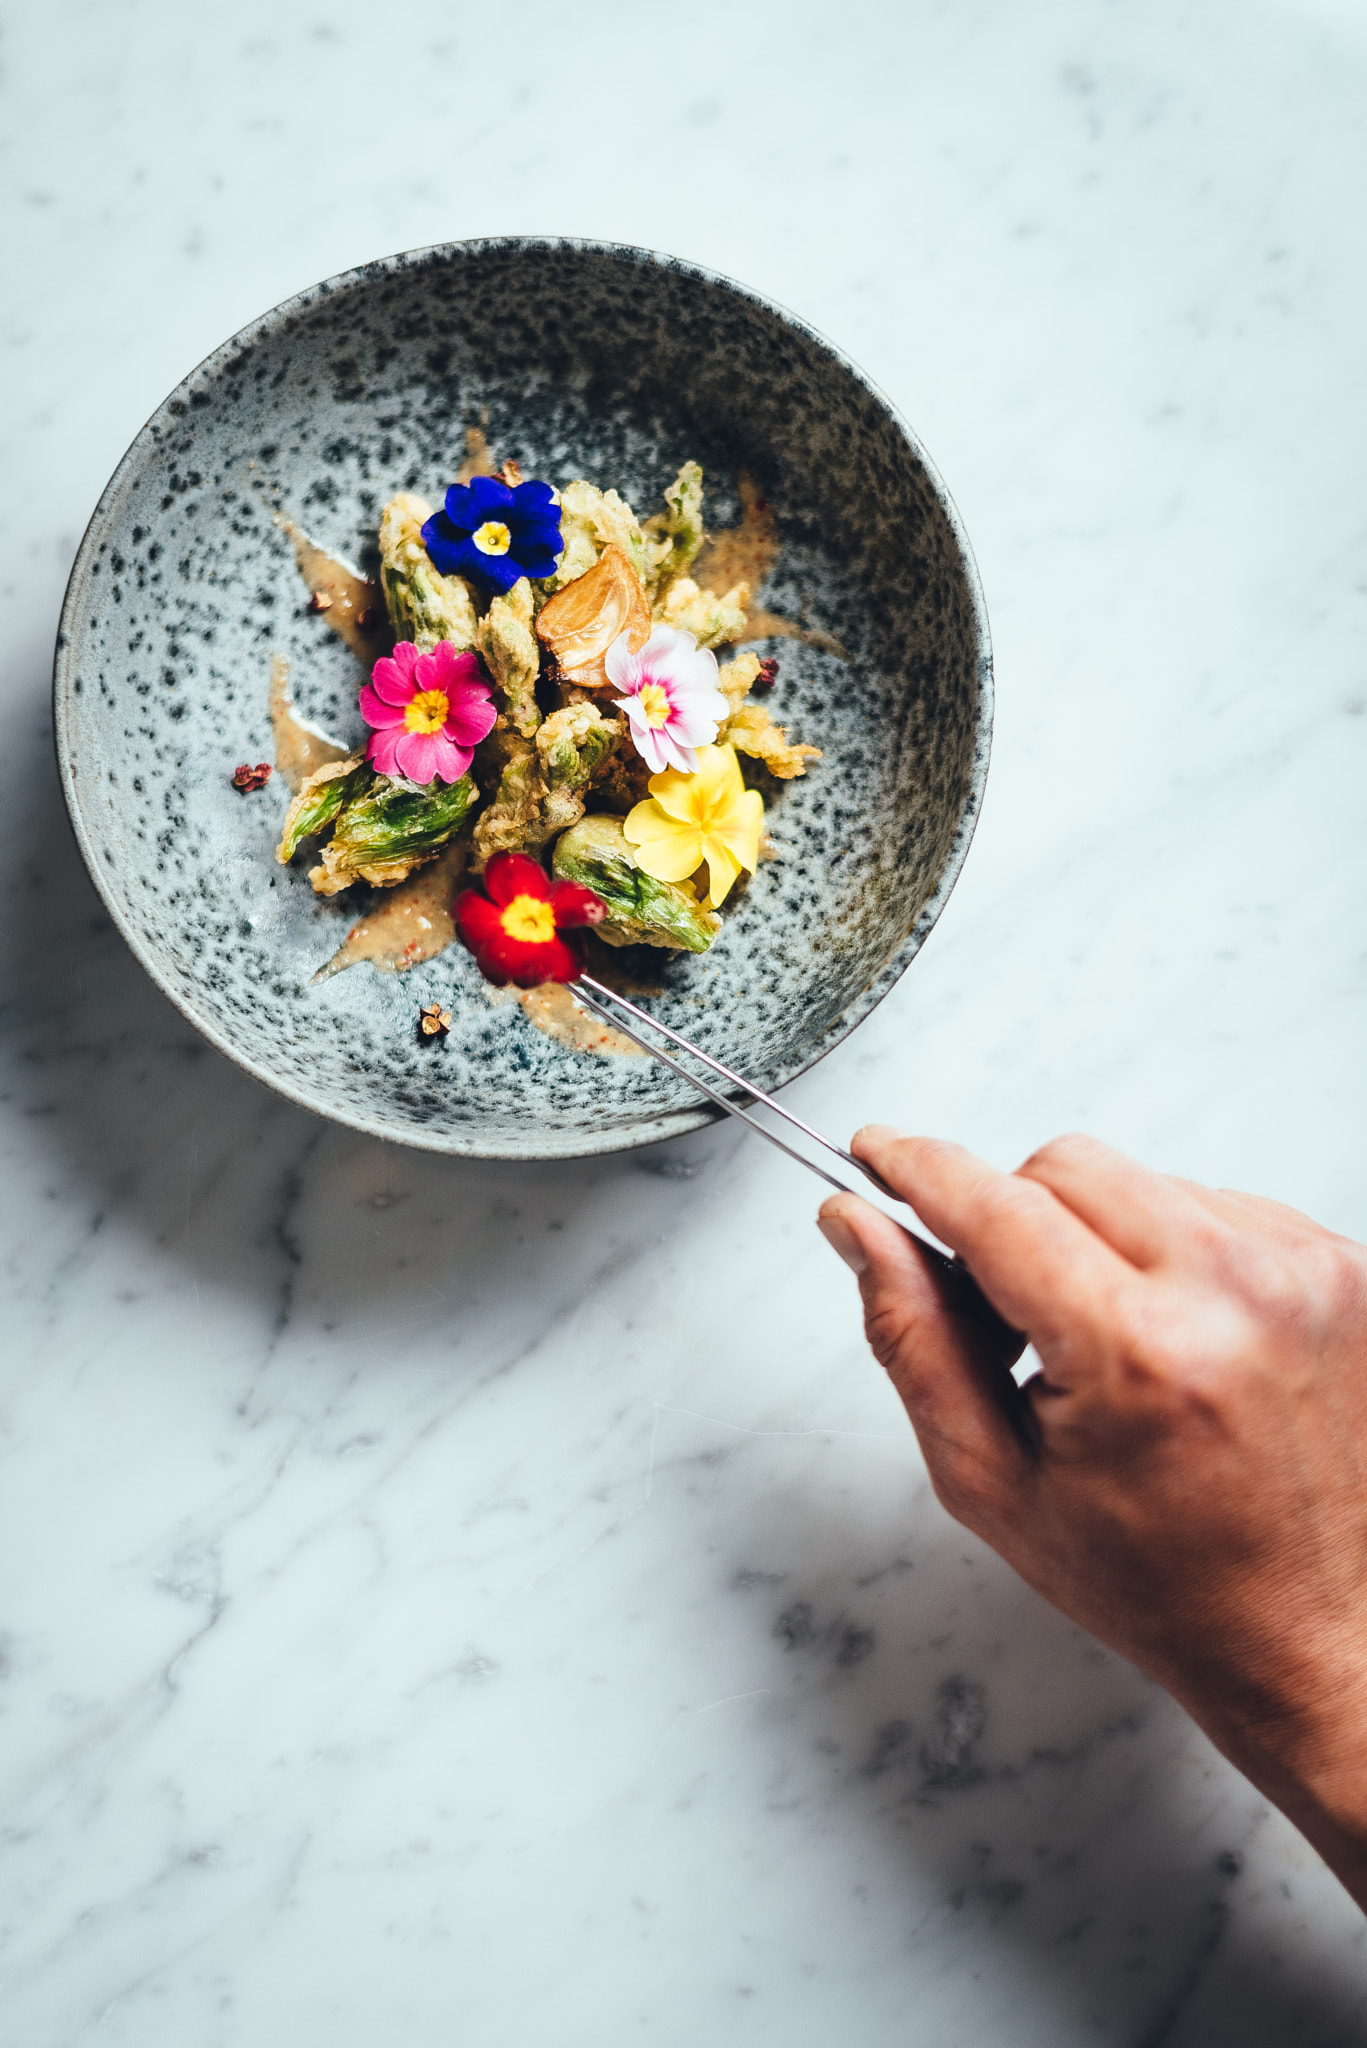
[299,748]
[352,605]
[478,460]
[746,554]
[552,1009]
[407,924]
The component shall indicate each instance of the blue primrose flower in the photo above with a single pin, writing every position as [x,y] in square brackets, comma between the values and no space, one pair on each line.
[495,533]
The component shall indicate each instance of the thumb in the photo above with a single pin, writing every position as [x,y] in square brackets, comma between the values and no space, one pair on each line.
[971,1421]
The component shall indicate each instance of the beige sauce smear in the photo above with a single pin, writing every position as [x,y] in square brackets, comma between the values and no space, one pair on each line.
[408,924]
[746,554]
[552,1009]
[299,748]
[355,606]
[478,459]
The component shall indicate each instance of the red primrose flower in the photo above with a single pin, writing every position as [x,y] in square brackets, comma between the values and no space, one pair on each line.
[514,930]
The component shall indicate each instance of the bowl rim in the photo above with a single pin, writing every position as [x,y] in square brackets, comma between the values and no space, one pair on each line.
[652,1130]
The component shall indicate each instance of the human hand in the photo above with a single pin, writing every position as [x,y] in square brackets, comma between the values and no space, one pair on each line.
[1187,1476]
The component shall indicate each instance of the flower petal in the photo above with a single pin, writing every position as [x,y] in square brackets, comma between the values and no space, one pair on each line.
[417,754]
[461,509]
[573,904]
[476,918]
[535,533]
[451,760]
[490,497]
[471,718]
[664,848]
[503,959]
[376,712]
[679,795]
[443,541]
[500,572]
[515,874]
[722,870]
[535,500]
[446,667]
[536,562]
[392,679]
[675,753]
[621,664]
[382,750]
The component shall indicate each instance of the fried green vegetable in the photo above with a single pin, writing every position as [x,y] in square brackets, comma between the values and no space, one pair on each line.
[641,911]
[591,520]
[712,620]
[318,802]
[514,822]
[542,788]
[674,536]
[573,743]
[389,829]
[504,637]
[424,607]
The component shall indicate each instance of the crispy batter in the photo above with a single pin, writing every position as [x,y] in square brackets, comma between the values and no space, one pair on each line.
[504,637]
[738,678]
[590,521]
[713,621]
[751,730]
[424,607]
[674,536]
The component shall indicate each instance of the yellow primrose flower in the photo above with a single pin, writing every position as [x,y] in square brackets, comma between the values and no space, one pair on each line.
[689,819]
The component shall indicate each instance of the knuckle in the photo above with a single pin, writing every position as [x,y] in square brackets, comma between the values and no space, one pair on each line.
[1071,1148]
[888,1325]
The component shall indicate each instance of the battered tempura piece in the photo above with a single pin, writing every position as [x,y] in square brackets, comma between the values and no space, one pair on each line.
[504,637]
[641,911]
[382,835]
[423,606]
[591,520]
[713,621]
[674,536]
[752,731]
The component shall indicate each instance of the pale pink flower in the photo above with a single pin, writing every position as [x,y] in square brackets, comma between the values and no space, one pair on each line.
[670,696]
[430,712]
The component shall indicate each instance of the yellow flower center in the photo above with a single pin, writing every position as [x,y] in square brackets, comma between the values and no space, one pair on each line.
[493,538]
[530,919]
[427,712]
[654,701]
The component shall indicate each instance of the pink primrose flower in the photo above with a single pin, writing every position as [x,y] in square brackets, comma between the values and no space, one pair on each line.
[430,711]
[670,696]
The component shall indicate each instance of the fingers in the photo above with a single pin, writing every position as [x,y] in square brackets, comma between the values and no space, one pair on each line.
[1147,1217]
[1042,1267]
[954,1384]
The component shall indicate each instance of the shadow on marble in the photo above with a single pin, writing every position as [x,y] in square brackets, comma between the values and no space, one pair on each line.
[157,1129]
[1051,1817]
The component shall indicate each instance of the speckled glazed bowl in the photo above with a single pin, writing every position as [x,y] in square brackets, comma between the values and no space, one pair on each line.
[583,360]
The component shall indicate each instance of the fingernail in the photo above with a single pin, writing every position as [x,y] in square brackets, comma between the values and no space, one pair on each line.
[842,1239]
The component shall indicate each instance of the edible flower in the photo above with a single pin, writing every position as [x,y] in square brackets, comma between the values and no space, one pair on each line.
[671,699]
[514,931]
[689,819]
[496,532]
[430,711]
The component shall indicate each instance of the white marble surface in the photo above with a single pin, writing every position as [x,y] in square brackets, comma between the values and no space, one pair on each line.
[449,1603]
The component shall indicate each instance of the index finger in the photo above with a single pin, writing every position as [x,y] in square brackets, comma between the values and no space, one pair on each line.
[1038,1263]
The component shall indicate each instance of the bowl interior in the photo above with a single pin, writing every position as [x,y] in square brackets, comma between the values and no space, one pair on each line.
[581,361]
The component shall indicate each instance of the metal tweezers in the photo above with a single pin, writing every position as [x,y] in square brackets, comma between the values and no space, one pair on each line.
[961,1290]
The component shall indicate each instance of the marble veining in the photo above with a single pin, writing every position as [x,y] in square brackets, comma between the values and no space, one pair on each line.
[445,1599]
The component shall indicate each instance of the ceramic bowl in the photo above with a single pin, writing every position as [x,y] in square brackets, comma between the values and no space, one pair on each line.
[582,360]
